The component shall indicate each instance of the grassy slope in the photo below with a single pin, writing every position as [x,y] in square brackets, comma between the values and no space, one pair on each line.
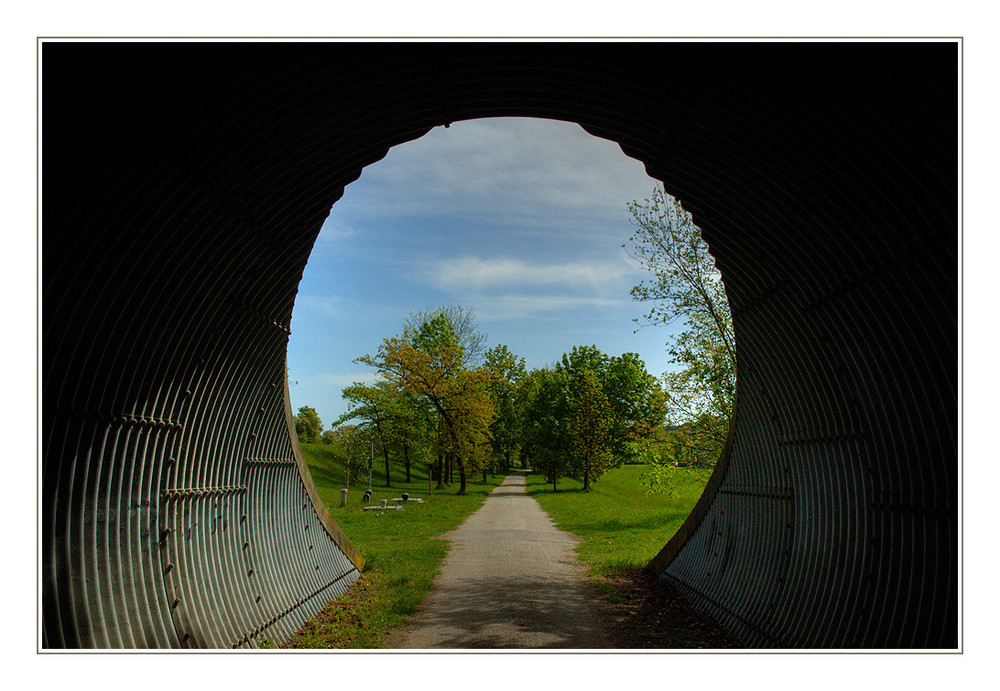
[400,547]
[621,526]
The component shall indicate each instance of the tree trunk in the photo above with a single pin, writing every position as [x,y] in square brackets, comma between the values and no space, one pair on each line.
[586,478]
[461,476]
[385,452]
[440,470]
[406,456]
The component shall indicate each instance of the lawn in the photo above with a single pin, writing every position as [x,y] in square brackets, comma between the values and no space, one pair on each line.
[621,526]
[402,551]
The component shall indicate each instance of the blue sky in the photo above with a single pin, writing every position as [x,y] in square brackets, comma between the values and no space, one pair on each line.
[521,220]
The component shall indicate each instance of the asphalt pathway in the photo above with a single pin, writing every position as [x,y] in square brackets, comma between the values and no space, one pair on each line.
[510,580]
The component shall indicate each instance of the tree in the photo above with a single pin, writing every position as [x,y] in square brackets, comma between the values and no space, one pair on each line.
[431,359]
[589,427]
[685,285]
[543,429]
[453,324]
[634,404]
[380,407]
[413,424]
[308,426]
[637,405]
[355,441]
[505,371]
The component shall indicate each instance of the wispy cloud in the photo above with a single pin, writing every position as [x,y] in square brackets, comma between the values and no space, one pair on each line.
[477,170]
[498,308]
[336,232]
[339,381]
[326,305]
[475,273]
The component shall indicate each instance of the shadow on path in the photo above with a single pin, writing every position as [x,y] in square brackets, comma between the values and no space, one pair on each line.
[511,580]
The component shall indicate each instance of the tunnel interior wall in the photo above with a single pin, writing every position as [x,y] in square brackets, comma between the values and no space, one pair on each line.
[184,184]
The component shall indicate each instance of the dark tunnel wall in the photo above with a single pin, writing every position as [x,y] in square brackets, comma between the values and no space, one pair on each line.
[184,184]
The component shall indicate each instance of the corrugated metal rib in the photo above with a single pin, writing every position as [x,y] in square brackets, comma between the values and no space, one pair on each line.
[181,201]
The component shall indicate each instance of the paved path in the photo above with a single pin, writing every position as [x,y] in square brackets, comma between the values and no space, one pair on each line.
[510,580]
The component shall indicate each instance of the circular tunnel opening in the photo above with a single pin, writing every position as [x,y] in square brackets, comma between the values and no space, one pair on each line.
[529,227]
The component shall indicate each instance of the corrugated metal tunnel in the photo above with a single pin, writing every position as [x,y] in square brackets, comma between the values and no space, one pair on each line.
[183,185]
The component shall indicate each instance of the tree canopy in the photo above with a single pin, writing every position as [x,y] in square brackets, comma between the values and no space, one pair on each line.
[505,372]
[308,426]
[590,413]
[380,409]
[432,358]
[589,427]
[543,409]
[685,285]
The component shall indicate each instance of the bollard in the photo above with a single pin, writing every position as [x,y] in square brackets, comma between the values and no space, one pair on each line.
[384,502]
[343,497]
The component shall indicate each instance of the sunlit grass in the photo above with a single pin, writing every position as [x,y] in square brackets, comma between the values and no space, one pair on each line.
[621,526]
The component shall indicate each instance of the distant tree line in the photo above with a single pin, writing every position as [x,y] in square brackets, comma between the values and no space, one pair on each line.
[444,401]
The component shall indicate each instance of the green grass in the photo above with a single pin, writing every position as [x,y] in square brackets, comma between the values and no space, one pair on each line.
[622,528]
[402,551]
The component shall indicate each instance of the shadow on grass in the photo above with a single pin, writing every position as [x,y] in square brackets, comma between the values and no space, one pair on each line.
[649,523]
[579,490]
[327,476]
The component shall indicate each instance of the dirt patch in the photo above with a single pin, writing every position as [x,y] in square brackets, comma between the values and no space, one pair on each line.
[642,612]
[341,622]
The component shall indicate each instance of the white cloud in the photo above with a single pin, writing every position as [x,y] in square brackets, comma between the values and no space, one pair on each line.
[336,232]
[477,169]
[474,273]
[497,308]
